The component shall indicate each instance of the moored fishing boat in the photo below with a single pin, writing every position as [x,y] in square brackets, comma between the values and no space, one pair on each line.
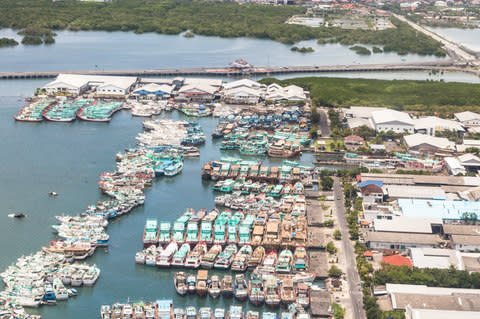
[300,258]
[255,289]
[256,258]
[194,258]
[105,312]
[165,258]
[240,261]
[179,257]
[191,313]
[178,313]
[208,259]
[214,286]
[272,293]
[205,313]
[191,237]
[206,232]
[219,313]
[150,232]
[253,314]
[191,284]
[201,286]
[164,233]
[287,292]
[224,259]
[227,286]
[240,287]
[180,282]
[303,295]
[235,312]
[268,265]
[284,263]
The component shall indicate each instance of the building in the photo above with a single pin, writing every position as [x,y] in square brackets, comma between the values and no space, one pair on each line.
[353,142]
[469,161]
[153,91]
[423,297]
[77,84]
[465,243]
[444,259]
[454,166]
[242,95]
[360,116]
[427,144]
[432,124]
[291,93]
[408,225]
[244,83]
[412,191]
[391,120]
[439,314]
[447,210]
[397,260]
[371,191]
[468,118]
[197,92]
[400,241]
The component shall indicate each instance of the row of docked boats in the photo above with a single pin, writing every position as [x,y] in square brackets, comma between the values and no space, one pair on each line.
[246,187]
[258,289]
[267,228]
[147,108]
[231,257]
[100,111]
[293,118]
[164,132]
[195,110]
[43,278]
[164,309]
[236,169]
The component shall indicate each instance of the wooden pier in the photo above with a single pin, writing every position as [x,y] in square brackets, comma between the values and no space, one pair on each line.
[446,65]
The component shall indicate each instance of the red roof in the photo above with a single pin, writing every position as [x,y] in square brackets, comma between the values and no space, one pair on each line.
[368,254]
[397,260]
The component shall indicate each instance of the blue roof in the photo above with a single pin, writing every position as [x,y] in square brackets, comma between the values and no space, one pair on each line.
[370,182]
[437,208]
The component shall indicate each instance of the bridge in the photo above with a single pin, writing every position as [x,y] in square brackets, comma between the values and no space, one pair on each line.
[444,65]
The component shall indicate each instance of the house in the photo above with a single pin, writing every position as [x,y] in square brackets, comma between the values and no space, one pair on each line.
[397,241]
[371,191]
[432,124]
[447,210]
[77,84]
[465,243]
[242,95]
[244,83]
[359,116]
[468,118]
[439,314]
[427,144]
[391,120]
[442,258]
[397,260]
[353,142]
[469,161]
[153,90]
[454,166]
[197,92]
[291,93]
[408,225]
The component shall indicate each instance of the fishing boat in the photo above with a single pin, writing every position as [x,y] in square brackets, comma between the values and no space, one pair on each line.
[219,313]
[191,313]
[227,286]
[303,295]
[201,286]
[244,234]
[140,257]
[257,235]
[138,311]
[287,292]
[284,262]
[219,234]
[127,311]
[165,258]
[150,232]
[91,276]
[240,261]
[194,258]
[191,284]
[240,287]
[178,313]
[304,277]
[179,257]
[287,315]
[301,229]
[206,232]
[179,229]
[214,286]
[105,312]
[272,293]
[191,237]
[300,259]
[253,314]
[173,169]
[164,235]
[256,258]
[224,259]
[208,259]
[269,263]
[235,312]
[205,313]
[180,282]
[255,289]
[61,292]
[117,309]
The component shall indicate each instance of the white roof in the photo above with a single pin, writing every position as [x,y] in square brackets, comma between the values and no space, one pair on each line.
[243,82]
[467,116]
[242,91]
[424,290]
[198,87]
[202,81]
[400,191]
[442,314]
[80,80]
[437,123]
[361,111]
[153,87]
[389,116]
[419,139]
[436,258]
[295,92]
[401,224]
[469,159]
[358,121]
[453,163]
[158,81]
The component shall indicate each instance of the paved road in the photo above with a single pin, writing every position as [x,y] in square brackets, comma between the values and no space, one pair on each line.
[356,295]
[323,123]
[459,52]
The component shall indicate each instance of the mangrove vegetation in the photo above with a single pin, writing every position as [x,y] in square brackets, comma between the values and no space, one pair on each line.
[7,42]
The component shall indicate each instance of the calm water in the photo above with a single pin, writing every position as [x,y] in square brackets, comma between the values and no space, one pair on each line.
[469,38]
[67,158]
[91,50]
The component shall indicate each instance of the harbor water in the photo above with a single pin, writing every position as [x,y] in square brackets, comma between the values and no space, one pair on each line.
[94,50]
[469,38]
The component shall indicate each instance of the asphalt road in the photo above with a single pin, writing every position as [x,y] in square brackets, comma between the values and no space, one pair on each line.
[323,123]
[355,292]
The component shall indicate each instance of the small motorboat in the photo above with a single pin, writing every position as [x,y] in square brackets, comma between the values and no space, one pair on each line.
[52,193]
[17,215]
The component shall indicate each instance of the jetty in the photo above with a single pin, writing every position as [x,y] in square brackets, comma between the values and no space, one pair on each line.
[443,65]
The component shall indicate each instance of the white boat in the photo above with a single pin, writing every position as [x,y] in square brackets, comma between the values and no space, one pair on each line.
[91,276]
[165,258]
[140,257]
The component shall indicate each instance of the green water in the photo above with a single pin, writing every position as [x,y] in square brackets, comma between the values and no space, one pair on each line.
[67,158]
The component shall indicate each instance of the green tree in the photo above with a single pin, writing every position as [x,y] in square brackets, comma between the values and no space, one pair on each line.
[334,271]
[337,234]
[327,183]
[331,247]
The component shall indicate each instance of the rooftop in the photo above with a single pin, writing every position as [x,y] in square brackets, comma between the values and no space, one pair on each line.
[471,230]
[400,191]
[437,208]
[415,140]
[387,116]
[467,116]
[403,224]
[394,237]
